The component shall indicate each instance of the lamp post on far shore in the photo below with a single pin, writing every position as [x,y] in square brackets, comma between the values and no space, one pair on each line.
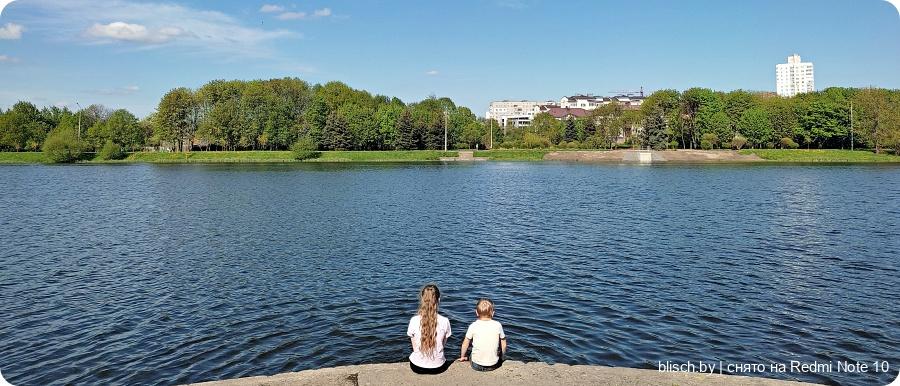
[851,125]
[491,121]
[79,119]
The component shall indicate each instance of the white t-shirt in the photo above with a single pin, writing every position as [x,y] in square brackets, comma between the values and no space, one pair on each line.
[442,331]
[485,336]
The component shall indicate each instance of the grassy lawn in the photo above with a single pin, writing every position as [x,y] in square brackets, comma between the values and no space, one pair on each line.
[21,158]
[286,156]
[777,155]
[383,156]
[826,155]
[512,155]
[210,157]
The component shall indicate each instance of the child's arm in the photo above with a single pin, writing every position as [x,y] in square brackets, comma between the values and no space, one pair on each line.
[464,350]
[502,341]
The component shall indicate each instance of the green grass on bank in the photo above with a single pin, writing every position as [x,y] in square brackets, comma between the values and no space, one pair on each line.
[775,155]
[823,156]
[247,157]
[383,156]
[210,157]
[286,156]
[512,155]
[22,158]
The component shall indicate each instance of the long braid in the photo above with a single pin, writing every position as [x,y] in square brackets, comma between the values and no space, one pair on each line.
[428,304]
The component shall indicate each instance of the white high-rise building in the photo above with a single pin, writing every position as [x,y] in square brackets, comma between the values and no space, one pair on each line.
[794,77]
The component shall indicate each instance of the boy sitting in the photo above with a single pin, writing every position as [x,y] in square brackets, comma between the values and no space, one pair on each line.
[486,336]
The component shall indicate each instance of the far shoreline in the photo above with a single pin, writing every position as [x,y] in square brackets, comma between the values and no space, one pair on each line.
[619,156]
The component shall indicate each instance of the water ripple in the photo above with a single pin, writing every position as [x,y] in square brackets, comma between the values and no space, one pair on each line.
[157,275]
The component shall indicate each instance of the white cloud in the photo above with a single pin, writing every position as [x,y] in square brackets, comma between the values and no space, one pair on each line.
[11,31]
[150,24]
[432,72]
[8,59]
[292,16]
[271,8]
[133,33]
[319,13]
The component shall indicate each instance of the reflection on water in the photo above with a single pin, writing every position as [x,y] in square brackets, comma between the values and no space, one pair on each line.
[145,274]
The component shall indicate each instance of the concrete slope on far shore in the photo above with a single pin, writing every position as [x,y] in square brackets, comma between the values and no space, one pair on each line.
[512,373]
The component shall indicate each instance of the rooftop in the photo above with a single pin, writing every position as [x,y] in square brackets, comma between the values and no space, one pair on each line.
[560,112]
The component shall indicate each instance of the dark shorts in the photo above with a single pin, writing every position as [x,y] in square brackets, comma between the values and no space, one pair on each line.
[496,366]
[430,371]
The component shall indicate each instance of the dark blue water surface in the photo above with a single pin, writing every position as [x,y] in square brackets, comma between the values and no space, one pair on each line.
[163,275]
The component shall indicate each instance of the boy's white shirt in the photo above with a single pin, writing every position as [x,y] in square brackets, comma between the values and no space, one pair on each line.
[415,331]
[485,336]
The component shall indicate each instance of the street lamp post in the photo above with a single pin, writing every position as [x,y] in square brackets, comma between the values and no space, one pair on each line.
[491,121]
[851,125]
[79,119]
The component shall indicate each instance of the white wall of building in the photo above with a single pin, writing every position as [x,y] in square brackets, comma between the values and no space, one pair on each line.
[521,113]
[518,113]
[794,77]
[589,102]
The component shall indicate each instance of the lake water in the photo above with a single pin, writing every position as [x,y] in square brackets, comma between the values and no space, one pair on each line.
[146,274]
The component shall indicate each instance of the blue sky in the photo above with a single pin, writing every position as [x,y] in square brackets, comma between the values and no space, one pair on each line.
[127,53]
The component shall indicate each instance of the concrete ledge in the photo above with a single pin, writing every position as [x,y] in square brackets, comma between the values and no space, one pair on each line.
[512,373]
[464,155]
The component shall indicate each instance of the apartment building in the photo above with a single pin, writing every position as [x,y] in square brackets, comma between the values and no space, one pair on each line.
[794,77]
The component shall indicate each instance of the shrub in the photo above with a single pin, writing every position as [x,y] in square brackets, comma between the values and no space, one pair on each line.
[738,142]
[62,146]
[511,144]
[112,151]
[534,141]
[594,142]
[574,145]
[787,143]
[708,141]
[304,149]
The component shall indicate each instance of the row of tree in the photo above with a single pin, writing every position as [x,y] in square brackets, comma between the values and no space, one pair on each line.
[274,114]
[24,127]
[703,118]
[252,115]
[603,127]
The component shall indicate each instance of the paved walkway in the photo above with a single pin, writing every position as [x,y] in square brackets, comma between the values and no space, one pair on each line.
[464,155]
[511,374]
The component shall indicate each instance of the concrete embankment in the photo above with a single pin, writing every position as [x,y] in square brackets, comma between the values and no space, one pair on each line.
[675,156]
[464,156]
[512,373]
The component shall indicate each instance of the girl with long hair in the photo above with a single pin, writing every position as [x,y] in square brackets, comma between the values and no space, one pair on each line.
[428,332]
